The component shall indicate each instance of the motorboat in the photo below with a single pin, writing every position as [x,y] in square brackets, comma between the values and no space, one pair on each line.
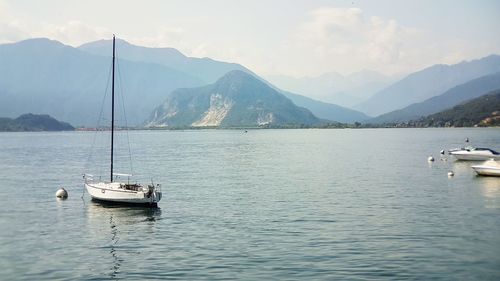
[117,190]
[488,168]
[474,154]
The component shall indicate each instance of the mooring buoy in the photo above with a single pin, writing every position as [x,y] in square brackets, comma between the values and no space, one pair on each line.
[62,193]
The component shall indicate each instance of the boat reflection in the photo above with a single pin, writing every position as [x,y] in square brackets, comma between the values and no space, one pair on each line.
[97,212]
[114,227]
[490,190]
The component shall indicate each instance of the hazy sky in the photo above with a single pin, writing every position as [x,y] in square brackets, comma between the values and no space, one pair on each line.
[291,37]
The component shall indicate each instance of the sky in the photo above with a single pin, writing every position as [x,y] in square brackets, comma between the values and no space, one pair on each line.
[275,37]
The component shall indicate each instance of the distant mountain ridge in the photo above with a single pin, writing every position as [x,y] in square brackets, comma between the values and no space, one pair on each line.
[46,76]
[335,88]
[427,83]
[481,111]
[456,95]
[33,122]
[237,99]
[205,69]
[327,111]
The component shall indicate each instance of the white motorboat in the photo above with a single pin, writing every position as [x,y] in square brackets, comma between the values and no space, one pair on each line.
[488,168]
[116,190]
[474,154]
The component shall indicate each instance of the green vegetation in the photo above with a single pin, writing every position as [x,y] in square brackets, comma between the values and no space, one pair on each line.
[482,111]
[33,122]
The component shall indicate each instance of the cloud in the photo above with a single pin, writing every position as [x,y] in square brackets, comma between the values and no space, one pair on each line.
[15,26]
[344,39]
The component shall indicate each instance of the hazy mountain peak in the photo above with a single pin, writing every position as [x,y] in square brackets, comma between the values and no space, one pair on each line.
[205,69]
[38,43]
[96,47]
[237,78]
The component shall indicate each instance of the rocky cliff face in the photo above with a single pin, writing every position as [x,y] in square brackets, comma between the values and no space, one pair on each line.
[236,99]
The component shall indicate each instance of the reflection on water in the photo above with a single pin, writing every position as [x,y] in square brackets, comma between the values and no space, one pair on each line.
[463,167]
[122,215]
[114,240]
[490,189]
[120,221]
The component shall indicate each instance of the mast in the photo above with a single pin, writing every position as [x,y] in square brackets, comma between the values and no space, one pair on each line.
[112,108]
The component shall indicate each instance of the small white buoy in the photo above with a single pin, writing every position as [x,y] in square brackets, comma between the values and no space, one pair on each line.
[442,151]
[451,174]
[62,193]
[430,159]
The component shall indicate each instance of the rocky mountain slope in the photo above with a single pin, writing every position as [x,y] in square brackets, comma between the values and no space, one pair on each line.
[238,99]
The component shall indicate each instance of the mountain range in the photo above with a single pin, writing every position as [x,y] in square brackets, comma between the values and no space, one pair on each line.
[456,95]
[238,99]
[205,69]
[344,90]
[46,76]
[427,83]
[326,110]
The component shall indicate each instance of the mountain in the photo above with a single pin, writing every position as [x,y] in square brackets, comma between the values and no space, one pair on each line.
[333,87]
[325,110]
[32,122]
[237,99]
[45,76]
[482,111]
[205,69]
[456,95]
[427,83]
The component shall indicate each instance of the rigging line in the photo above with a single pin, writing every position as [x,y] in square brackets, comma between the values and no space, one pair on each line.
[124,115]
[99,119]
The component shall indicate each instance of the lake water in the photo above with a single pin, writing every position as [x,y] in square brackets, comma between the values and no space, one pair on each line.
[267,204]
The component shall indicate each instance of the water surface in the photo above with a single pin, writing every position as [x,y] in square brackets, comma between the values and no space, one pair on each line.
[267,204]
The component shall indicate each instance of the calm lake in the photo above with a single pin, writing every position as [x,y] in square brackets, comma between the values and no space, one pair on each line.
[268,204]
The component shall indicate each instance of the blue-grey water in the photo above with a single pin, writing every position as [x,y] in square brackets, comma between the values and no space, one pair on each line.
[267,204]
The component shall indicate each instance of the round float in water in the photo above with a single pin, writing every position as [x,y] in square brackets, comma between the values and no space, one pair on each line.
[62,193]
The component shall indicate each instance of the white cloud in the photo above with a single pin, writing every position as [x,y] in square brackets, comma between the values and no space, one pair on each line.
[343,39]
[346,40]
[15,26]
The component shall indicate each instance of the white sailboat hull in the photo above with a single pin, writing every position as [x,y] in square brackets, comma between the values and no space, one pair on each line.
[118,193]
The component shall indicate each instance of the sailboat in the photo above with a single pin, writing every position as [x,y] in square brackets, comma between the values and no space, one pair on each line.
[116,190]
